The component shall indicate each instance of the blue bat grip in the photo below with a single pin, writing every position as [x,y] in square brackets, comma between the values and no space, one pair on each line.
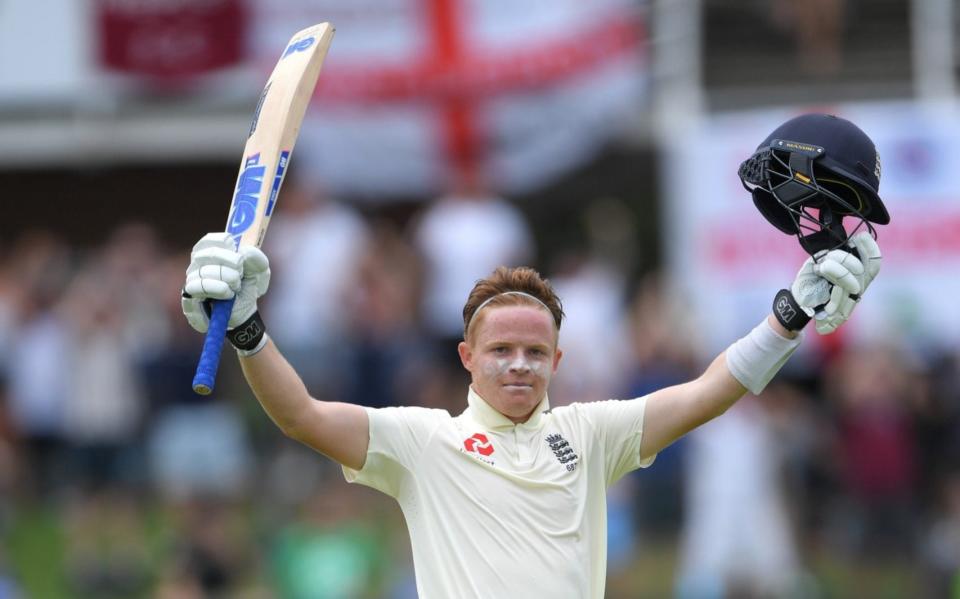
[212,347]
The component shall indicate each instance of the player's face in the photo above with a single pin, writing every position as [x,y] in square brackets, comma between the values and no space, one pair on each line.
[511,355]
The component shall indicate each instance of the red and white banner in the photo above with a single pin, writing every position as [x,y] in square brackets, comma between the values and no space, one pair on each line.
[170,41]
[728,261]
[416,95]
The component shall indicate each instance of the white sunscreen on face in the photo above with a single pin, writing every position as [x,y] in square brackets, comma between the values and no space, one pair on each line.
[520,363]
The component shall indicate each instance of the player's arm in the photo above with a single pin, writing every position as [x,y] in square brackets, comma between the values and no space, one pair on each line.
[674,411]
[337,430]
[826,288]
[218,271]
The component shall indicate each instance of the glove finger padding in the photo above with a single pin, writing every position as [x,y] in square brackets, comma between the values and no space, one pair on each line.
[870,256]
[216,268]
[256,268]
[255,281]
[225,274]
[838,304]
[827,326]
[843,300]
[836,312]
[842,269]
[214,281]
[225,257]
[193,309]
[209,288]
[219,239]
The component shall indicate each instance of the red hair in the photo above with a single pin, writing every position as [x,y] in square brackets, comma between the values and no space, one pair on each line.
[496,289]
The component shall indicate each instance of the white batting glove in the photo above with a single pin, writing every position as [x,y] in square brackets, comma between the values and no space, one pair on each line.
[835,281]
[870,257]
[219,271]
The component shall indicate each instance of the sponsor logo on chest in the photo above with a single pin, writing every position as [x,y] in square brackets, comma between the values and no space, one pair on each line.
[480,447]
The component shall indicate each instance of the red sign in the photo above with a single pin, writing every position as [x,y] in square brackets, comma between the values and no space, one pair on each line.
[172,40]
[478,443]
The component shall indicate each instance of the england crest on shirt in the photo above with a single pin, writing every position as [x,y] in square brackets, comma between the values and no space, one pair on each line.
[565,454]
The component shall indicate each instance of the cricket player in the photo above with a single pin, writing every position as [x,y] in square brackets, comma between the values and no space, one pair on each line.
[507,498]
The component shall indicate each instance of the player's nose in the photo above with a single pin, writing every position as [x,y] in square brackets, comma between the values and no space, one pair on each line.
[519,363]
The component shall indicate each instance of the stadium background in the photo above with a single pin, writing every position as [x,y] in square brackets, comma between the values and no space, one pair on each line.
[595,140]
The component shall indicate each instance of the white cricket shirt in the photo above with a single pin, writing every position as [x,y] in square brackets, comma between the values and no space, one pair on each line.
[501,510]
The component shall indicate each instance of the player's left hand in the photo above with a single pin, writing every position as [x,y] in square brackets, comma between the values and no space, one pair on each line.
[830,284]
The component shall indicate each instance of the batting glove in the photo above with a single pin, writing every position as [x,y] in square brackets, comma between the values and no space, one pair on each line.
[829,286]
[220,271]
[869,253]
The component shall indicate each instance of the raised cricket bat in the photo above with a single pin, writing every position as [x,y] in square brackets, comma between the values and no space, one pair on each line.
[276,123]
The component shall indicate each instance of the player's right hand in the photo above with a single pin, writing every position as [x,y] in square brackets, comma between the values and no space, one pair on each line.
[219,271]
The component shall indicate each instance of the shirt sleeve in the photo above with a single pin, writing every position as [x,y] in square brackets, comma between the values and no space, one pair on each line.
[397,438]
[618,424]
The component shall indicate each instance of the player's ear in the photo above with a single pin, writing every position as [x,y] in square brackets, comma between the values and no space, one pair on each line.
[466,355]
[556,358]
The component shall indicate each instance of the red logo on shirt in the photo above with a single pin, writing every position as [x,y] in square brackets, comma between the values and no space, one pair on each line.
[478,443]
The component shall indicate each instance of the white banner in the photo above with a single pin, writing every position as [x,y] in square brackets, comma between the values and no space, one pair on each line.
[728,261]
[416,94]
[46,52]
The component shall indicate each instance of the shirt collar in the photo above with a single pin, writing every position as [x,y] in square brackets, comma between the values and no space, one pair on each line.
[488,417]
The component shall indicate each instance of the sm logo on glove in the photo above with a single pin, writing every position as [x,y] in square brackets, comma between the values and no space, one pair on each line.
[478,443]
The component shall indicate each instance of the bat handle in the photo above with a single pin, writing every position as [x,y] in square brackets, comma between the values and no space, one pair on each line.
[212,347]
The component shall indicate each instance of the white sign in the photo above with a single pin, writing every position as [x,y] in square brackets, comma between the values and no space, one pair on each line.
[45,49]
[729,262]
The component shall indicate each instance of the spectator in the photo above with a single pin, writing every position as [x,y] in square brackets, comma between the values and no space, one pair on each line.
[942,542]
[317,245]
[390,349]
[736,539]
[39,386]
[663,354]
[102,414]
[106,550]
[817,28]
[593,295]
[195,446]
[463,236]
[10,462]
[332,551]
[875,450]
[208,554]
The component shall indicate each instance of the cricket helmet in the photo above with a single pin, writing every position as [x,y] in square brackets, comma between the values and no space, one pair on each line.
[810,173]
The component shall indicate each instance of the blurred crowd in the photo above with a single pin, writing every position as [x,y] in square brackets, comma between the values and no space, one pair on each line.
[117,481]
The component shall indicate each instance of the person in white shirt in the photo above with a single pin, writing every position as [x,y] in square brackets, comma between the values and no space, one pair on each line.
[463,236]
[507,499]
